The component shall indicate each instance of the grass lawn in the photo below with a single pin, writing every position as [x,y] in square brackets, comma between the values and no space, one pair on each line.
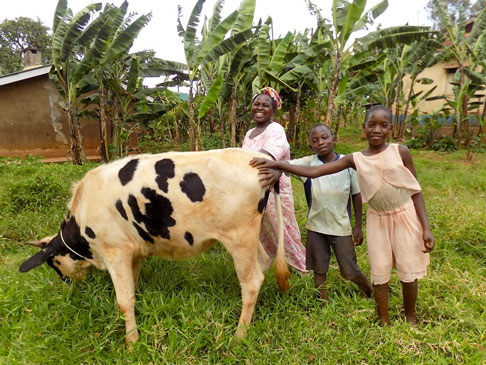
[187,311]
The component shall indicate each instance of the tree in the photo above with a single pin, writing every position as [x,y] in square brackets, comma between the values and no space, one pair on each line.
[198,52]
[18,35]
[453,8]
[116,72]
[70,34]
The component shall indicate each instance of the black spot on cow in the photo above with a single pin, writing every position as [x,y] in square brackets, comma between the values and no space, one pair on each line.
[121,210]
[132,203]
[189,238]
[165,171]
[126,172]
[143,233]
[158,211]
[89,232]
[71,233]
[193,187]
[263,202]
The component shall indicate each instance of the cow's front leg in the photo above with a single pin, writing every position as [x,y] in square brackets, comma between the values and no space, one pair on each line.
[121,271]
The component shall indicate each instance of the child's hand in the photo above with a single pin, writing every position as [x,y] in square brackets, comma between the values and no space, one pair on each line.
[429,241]
[268,177]
[260,163]
[357,236]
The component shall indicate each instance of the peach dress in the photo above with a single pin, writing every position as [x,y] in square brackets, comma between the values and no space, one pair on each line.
[393,230]
[274,141]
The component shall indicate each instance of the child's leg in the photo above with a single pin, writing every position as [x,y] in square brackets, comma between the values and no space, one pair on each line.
[348,266]
[318,256]
[381,297]
[410,291]
[320,283]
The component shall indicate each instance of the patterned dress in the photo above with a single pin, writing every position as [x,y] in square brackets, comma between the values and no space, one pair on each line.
[274,141]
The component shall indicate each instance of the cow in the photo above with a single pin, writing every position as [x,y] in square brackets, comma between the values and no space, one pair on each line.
[175,205]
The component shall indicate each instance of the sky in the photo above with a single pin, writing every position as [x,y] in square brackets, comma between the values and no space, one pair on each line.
[161,33]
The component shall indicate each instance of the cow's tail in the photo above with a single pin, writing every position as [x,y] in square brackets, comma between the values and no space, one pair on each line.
[281,268]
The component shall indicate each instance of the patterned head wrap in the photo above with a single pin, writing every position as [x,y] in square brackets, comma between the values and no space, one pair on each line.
[267,90]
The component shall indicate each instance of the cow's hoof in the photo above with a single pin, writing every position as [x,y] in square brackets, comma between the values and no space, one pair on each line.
[131,338]
[240,334]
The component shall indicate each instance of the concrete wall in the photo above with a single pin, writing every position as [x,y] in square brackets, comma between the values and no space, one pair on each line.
[32,122]
[442,74]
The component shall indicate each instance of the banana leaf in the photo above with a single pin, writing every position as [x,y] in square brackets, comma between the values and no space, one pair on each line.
[215,37]
[211,96]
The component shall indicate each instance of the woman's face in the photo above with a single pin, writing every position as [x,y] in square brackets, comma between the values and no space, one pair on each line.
[262,109]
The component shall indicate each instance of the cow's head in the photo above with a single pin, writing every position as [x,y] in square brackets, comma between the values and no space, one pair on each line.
[57,252]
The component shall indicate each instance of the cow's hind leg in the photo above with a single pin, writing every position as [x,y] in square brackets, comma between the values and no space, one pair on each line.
[120,266]
[250,261]
[137,262]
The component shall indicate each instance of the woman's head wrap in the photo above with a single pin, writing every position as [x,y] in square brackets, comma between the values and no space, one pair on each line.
[267,90]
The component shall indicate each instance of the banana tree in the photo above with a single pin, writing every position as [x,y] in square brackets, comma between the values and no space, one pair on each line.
[347,18]
[107,58]
[467,50]
[69,33]
[212,46]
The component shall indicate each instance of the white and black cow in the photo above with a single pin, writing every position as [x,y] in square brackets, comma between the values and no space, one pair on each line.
[174,205]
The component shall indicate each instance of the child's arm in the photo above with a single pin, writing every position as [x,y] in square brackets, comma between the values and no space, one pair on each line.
[358,215]
[307,171]
[418,201]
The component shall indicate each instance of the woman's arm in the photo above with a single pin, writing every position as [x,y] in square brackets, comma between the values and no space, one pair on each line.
[307,171]
[418,201]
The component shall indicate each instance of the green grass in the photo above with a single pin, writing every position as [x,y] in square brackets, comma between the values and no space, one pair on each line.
[187,311]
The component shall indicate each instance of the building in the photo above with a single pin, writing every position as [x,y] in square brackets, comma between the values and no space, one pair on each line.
[442,75]
[32,122]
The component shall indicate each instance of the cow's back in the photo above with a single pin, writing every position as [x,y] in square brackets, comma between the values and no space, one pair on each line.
[173,204]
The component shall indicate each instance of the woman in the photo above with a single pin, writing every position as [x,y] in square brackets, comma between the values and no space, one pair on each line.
[269,137]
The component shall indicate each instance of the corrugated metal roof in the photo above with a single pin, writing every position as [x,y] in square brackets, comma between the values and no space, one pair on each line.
[24,75]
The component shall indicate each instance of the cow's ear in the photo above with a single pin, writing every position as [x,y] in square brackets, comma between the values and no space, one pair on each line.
[38,259]
[41,243]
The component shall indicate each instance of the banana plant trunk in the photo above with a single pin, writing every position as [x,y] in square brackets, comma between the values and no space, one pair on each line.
[297,119]
[291,123]
[77,151]
[332,93]
[222,131]
[397,123]
[211,121]
[177,133]
[191,121]
[104,153]
[232,117]
[401,132]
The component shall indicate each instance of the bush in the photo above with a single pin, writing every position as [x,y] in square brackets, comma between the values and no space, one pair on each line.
[33,185]
[445,144]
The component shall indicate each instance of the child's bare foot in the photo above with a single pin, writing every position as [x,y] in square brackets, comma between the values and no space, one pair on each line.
[384,322]
[411,320]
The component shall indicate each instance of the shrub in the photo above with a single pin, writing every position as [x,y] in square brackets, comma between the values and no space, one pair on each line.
[445,144]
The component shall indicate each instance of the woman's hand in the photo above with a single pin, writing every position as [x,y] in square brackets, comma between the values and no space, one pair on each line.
[429,241]
[260,163]
[268,177]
